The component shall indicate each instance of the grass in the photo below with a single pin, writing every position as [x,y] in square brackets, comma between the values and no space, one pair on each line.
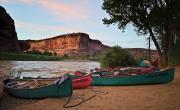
[28,57]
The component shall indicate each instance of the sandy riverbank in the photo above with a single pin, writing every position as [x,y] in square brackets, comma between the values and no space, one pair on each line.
[145,97]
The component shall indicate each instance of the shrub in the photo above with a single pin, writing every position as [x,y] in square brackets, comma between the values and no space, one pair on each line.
[65,56]
[47,53]
[34,52]
[116,56]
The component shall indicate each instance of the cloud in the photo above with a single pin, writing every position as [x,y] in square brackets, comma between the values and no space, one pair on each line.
[63,10]
[49,29]
[14,1]
[66,11]
[3,1]
[74,14]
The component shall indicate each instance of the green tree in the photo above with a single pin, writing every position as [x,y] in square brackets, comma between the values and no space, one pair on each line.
[47,53]
[65,56]
[160,19]
[116,56]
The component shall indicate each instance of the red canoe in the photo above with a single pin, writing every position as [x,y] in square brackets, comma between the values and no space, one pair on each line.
[82,82]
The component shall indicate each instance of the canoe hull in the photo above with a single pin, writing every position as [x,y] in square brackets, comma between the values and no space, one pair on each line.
[151,78]
[63,90]
[82,82]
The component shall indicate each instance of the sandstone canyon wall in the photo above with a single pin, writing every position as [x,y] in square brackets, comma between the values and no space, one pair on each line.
[143,53]
[8,36]
[71,44]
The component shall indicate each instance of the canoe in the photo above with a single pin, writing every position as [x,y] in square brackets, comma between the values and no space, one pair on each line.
[122,71]
[139,79]
[78,81]
[39,88]
[81,82]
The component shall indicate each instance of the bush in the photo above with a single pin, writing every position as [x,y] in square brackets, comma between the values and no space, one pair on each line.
[34,52]
[116,56]
[47,53]
[65,56]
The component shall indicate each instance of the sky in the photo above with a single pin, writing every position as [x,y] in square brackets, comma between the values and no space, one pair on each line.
[40,19]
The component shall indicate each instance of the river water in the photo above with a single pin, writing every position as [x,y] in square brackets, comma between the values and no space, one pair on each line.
[47,68]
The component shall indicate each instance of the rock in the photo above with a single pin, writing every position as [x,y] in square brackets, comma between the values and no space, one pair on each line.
[143,53]
[76,44]
[8,37]
[70,44]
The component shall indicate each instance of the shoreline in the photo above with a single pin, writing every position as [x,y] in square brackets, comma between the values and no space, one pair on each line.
[142,97]
[41,57]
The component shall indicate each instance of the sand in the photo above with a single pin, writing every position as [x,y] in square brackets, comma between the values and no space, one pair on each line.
[143,97]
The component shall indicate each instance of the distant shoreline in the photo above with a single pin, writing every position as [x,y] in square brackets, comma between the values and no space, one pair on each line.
[4,56]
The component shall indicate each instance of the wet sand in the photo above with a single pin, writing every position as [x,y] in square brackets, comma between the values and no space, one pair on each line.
[143,97]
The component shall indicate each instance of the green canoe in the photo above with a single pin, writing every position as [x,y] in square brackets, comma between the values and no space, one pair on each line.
[149,78]
[38,89]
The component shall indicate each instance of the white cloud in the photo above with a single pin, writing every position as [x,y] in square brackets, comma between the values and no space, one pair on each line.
[65,11]
[36,28]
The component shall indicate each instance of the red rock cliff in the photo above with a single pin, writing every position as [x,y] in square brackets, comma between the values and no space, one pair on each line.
[71,44]
[143,53]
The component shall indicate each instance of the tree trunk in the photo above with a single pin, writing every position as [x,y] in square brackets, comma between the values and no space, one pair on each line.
[163,54]
[166,45]
[154,40]
[163,61]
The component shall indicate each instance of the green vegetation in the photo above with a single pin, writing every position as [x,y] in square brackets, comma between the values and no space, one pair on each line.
[116,56]
[81,57]
[28,57]
[38,56]
[160,19]
[41,53]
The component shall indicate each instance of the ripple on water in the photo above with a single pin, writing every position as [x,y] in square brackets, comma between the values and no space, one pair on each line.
[53,67]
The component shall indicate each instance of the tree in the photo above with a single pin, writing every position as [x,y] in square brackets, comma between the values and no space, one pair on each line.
[116,56]
[175,55]
[159,19]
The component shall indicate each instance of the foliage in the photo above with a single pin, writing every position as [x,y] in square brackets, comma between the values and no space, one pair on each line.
[34,52]
[55,54]
[4,56]
[41,53]
[48,53]
[158,18]
[66,56]
[27,57]
[116,56]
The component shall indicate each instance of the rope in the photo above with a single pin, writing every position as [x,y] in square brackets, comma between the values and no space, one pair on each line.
[99,91]
[96,91]
[70,106]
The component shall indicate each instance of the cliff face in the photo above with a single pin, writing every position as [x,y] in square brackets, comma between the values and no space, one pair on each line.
[8,36]
[71,44]
[143,53]
[76,44]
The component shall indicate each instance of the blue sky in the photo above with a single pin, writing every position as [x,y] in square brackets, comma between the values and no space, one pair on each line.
[39,19]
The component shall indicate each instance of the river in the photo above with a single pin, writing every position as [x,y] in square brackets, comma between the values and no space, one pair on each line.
[49,68]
